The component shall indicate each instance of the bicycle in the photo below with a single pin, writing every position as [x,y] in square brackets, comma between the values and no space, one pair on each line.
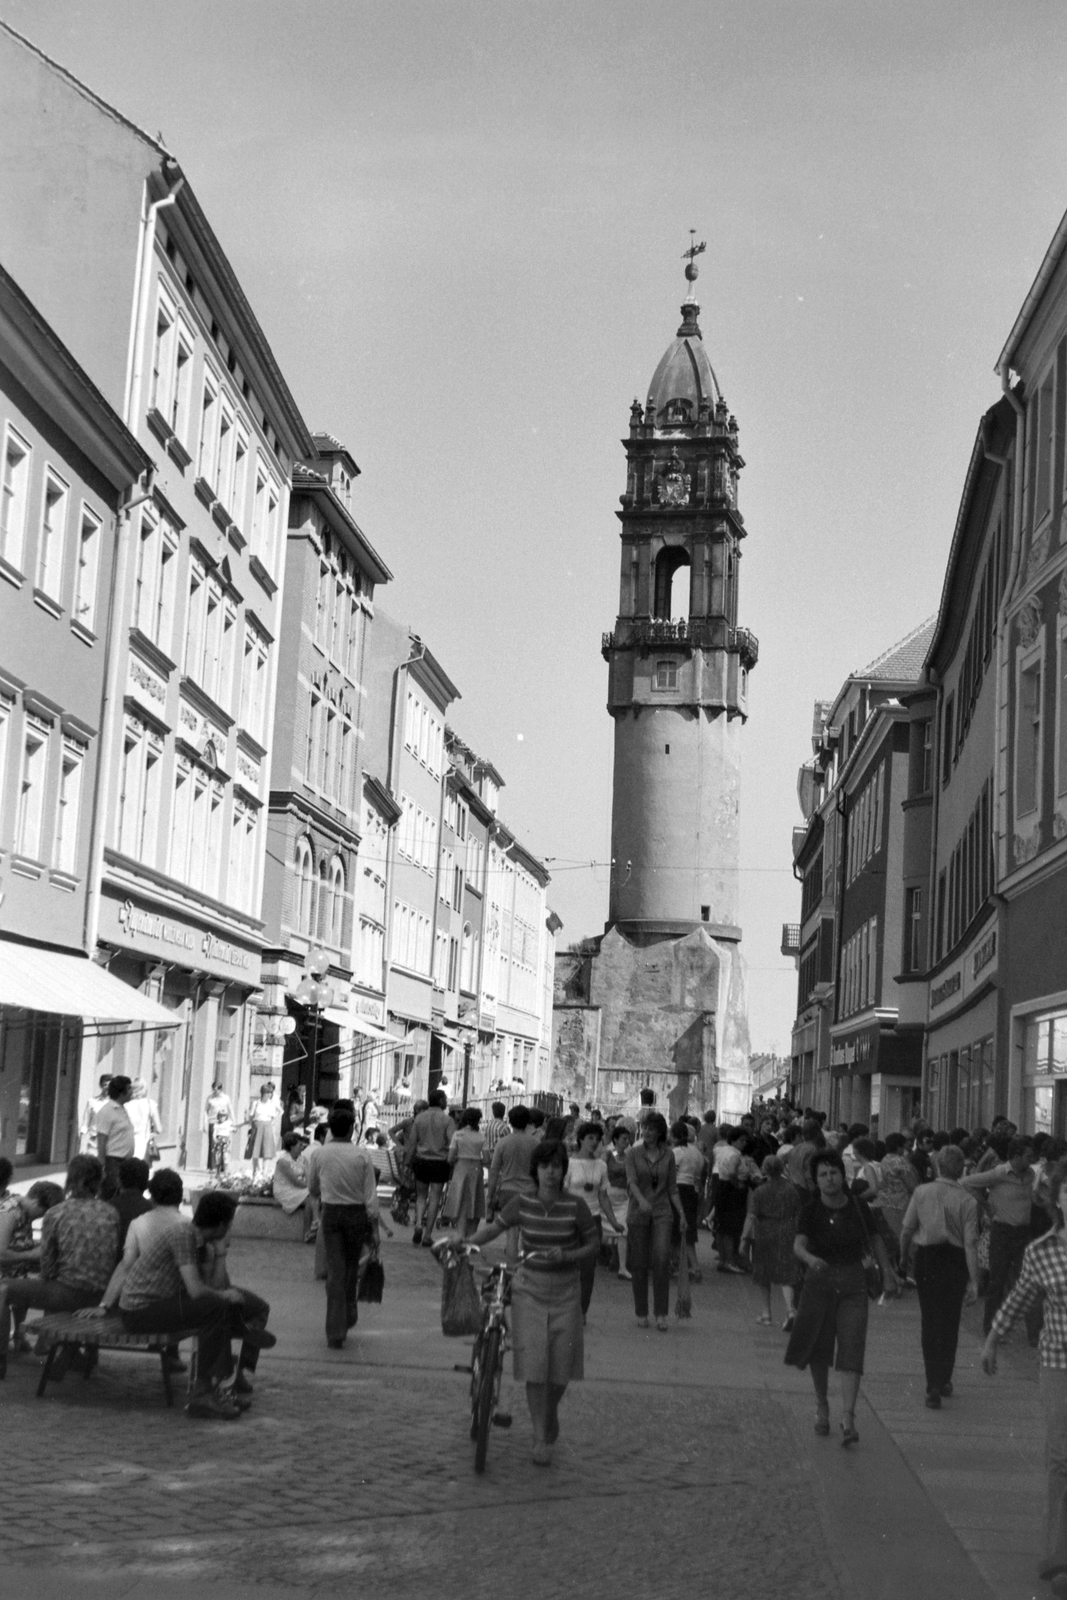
[490,1347]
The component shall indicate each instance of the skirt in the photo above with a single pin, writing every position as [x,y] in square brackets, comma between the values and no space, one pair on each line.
[466,1192]
[264,1144]
[546,1327]
[832,1313]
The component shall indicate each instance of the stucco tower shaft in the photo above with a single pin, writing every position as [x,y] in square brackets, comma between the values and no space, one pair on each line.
[678,661]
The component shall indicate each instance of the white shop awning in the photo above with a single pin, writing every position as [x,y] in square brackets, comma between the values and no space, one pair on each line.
[73,986]
[341,1017]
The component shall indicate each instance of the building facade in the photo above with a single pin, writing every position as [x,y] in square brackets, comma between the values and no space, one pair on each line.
[158,318]
[70,470]
[857,1040]
[317,788]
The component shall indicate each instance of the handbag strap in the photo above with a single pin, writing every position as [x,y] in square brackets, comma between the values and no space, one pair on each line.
[863,1222]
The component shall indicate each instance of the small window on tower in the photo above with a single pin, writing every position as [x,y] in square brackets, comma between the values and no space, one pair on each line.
[705,913]
[666,749]
[666,675]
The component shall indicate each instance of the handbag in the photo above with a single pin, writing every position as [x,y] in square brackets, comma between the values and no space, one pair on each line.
[151,1154]
[250,1141]
[461,1307]
[872,1270]
[371,1280]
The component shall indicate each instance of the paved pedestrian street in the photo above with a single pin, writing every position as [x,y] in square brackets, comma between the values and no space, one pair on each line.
[687,1460]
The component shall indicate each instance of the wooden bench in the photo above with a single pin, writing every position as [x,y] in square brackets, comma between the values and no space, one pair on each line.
[64,1330]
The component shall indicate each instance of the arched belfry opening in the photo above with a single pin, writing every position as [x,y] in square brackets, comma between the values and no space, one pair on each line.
[673,572]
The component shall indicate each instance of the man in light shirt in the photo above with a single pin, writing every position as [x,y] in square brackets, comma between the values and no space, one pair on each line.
[115,1136]
[942,1219]
[342,1176]
[93,1107]
[1009,1188]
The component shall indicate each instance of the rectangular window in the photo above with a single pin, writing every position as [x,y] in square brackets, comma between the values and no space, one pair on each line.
[238,507]
[6,709]
[83,608]
[947,747]
[224,457]
[355,614]
[14,497]
[326,764]
[31,789]
[926,775]
[1042,414]
[312,735]
[1028,738]
[209,423]
[68,808]
[181,822]
[181,385]
[259,515]
[162,356]
[227,655]
[666,675]
[194,620]
[53,530]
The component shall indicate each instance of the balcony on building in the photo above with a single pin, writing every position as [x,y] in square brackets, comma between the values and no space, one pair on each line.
[790,938]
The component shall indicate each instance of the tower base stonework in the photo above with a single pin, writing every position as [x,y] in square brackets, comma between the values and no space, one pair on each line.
[636,1011]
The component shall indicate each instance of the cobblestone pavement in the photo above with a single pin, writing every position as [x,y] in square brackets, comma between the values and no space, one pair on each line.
[352,1472]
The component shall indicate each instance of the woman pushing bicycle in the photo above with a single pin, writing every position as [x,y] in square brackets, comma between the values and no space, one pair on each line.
[557,1234]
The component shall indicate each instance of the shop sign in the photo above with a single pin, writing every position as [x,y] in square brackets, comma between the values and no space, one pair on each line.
[979,964]
[853,1054]
[195,946]
[367,1007]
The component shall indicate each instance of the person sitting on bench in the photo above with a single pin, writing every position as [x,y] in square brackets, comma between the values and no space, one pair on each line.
[79,1243]
[161,1290]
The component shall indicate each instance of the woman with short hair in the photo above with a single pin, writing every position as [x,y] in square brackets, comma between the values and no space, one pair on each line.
[557,1235]
[834,1231]
[587,1178]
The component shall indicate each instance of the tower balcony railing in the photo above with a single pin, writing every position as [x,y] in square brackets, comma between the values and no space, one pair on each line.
[688,633]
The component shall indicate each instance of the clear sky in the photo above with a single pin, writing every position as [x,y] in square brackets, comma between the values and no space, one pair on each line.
[461,226]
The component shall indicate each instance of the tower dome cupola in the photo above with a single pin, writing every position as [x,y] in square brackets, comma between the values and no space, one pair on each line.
[684,383]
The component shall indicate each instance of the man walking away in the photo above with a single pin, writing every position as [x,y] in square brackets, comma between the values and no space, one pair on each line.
[115,1137]
[942,1219]
[79,1244]
[509,1171]
[342,1176]
[495,1130]
[1010,1190]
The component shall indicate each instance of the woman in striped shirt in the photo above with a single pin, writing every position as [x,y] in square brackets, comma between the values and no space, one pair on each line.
[557,1234]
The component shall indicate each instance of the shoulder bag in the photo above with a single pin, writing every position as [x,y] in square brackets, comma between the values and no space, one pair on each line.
[872,1269]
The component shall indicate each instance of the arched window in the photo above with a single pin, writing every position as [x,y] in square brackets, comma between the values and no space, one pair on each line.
[672,598]
[305,886]
[337,902]
[466,980]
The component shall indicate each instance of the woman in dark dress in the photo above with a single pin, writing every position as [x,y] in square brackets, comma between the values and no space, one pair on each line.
[834,1230]
[770,1228]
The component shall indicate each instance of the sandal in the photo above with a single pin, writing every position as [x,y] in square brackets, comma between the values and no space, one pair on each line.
[849,1434]
[822,1421]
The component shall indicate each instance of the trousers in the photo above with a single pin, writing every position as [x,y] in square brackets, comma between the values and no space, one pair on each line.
[1053,1389]
[1006,1246]
[344,1230]
[19,1295]
[649,1251]
[209,1314]
[941,1279]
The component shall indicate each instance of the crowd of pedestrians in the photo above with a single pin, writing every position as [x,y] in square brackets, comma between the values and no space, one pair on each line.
[802,1208]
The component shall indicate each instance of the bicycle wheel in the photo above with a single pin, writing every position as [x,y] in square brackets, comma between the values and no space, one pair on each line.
[476,1380]
[483,1411]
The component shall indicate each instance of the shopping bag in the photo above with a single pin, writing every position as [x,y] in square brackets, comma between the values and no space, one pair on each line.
[461,1308]
[371,1281]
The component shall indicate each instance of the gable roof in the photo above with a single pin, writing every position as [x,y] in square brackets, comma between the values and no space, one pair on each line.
[903,661]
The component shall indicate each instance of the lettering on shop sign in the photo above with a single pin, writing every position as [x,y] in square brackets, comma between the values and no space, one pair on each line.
[133,922]
[944,991]
[985,953]
[845,1055]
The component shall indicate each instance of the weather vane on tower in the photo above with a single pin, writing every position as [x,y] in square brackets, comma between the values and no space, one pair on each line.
[692,271]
